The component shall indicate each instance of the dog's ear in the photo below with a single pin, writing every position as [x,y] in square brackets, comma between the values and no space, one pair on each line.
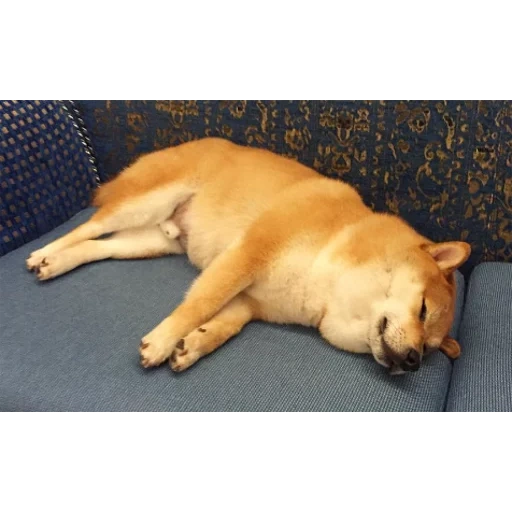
[449,256]
[450,348]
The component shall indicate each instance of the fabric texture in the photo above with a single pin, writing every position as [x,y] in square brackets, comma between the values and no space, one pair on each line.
[72,345]
[46,175]
[482,377]
[445,166]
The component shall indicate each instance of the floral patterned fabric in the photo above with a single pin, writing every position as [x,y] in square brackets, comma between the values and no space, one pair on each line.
[445,166]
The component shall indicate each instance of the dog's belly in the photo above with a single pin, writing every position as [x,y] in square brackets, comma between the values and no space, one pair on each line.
[207,232]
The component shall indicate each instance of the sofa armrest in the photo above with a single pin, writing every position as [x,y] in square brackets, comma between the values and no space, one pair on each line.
[47,171]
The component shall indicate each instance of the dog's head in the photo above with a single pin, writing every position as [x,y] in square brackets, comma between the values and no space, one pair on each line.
[416,313]
[394,293]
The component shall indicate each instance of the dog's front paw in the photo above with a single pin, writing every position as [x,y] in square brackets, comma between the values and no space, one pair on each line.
[183,356]
[155,348]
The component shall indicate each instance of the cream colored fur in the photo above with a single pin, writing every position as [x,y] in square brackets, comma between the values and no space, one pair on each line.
[277,242]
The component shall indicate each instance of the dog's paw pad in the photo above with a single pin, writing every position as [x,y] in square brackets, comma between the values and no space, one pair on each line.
[153,351]
[182,357]
[48,268]
[34,261]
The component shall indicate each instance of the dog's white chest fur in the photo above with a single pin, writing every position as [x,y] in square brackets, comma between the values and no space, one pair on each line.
[351,314]
[301,287]
[284,292]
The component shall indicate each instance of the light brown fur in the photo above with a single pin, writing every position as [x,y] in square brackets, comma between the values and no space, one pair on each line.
[276,241]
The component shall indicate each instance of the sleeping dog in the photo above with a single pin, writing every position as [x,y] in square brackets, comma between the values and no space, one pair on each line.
[275,241]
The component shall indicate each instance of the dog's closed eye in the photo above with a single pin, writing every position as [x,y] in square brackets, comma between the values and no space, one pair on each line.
[423,311]
[383,325]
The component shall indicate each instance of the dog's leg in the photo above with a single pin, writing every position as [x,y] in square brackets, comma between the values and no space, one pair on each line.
[99,224]
[211,335]
[128,244]
[146,210]
[227,276]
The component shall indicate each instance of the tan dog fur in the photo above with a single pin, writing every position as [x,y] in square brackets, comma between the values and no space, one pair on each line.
[276,242]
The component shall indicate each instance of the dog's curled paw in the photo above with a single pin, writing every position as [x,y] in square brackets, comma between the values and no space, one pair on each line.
[35,260]
[155,348]
[183,356]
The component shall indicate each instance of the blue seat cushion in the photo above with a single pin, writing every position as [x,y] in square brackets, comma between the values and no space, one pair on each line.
[72,344]
[482,377]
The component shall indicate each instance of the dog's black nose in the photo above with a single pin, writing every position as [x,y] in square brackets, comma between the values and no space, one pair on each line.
[412,362]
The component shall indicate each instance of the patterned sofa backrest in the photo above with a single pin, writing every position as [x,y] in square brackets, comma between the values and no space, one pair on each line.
[445,166]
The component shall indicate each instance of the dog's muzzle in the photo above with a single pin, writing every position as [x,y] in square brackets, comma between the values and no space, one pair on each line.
[412,362]
[399,364]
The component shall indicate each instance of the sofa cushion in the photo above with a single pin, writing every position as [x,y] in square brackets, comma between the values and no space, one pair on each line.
[482,377]
[72,344]
[47,172]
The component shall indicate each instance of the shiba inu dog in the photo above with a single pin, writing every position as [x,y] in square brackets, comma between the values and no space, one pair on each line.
[275,241]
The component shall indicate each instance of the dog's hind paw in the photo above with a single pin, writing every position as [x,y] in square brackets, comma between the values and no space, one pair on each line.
[46,269]
[52,266]
[35,260]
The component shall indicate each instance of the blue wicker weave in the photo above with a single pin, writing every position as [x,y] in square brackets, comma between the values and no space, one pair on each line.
[46,171]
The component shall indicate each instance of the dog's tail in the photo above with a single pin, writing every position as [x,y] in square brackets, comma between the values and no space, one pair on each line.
[100,196]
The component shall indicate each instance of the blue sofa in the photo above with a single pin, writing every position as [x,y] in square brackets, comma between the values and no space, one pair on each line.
[72,344]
